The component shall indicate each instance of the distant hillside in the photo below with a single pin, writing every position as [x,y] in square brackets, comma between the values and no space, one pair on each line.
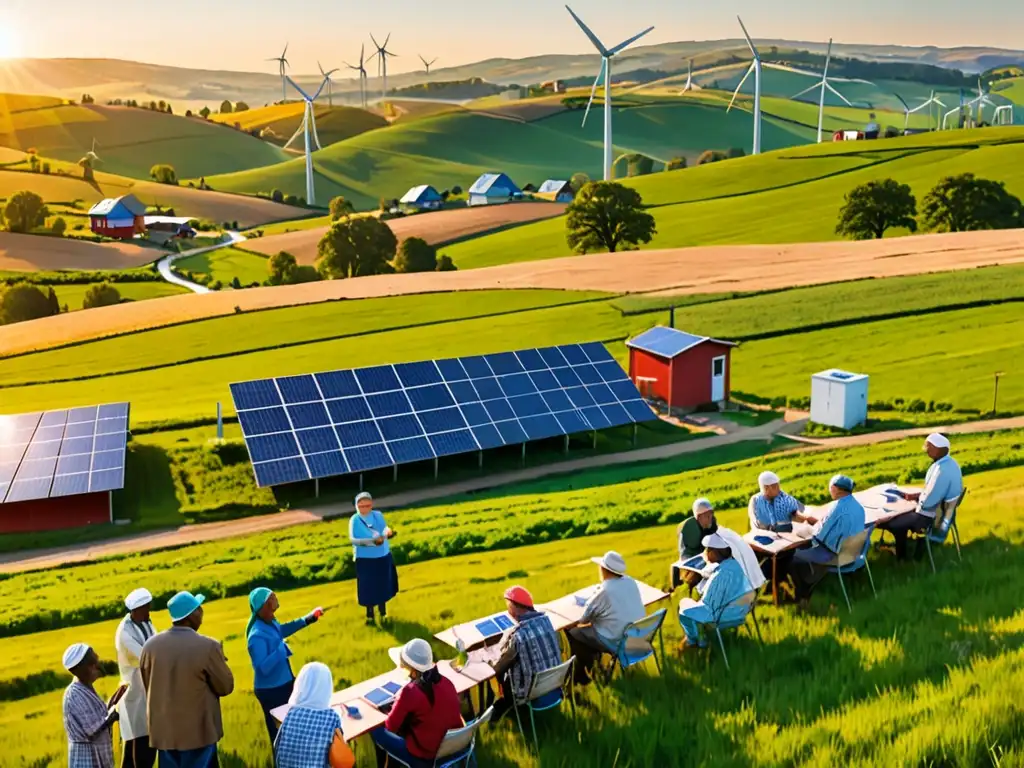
[129,140]
[473,88]
[333,124]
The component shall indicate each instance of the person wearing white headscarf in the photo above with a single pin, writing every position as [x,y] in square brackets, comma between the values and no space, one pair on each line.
[132,633]
[943,482]
[88,720]
[305,737]
[376,575]
[725,586]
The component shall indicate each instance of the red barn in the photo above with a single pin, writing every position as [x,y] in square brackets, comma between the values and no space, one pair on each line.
[683,370]
[118,217]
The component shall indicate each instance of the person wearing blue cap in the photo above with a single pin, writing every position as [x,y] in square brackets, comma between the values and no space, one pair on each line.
[185,675]
[845,519]
[265,641]
[376,575]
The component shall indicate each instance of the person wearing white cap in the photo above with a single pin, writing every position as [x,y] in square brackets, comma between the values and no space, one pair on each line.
[726,583]
[87,719]
[845,519]
[615,603]
[944,481]
[425,709]
[132,633]
[376,575]
[691,533]
[772,508]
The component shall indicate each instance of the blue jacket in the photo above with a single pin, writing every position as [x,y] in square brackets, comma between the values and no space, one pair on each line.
[269,652]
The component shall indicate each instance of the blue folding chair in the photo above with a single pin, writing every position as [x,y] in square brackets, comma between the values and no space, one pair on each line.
[547,691]
[458,746]
[636,645]
[733,616]
[945,521]
[853,555]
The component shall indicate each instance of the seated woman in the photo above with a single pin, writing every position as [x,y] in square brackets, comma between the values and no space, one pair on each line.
[305,737]
[423,712]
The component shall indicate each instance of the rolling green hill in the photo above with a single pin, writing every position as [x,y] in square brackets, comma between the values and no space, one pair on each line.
[129,141]
[779,197]
[333,124]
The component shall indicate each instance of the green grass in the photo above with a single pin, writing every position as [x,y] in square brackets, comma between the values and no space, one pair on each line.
[72,295]
[333,124]
[225,264]
[756,199]
[825,685]
[294,225]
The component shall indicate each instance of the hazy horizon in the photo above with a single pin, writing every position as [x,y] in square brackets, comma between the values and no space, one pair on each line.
[196,36]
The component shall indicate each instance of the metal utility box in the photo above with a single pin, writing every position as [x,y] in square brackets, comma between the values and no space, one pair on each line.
[839,398]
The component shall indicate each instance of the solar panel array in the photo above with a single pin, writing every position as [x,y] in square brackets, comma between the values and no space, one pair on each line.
[665,342]
[340,422]
[62,453]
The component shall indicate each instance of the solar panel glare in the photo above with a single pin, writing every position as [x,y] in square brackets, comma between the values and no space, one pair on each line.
[107,460]
[78,415]
[68,465]
[70,485]
[53,419]
[113,411]
[43,450]
[80,429]
[112,426]
[71,446]
[114,442]
[33,468]
[28,490]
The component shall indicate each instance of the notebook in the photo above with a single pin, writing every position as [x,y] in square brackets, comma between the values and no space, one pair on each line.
[697,563]
[384,695]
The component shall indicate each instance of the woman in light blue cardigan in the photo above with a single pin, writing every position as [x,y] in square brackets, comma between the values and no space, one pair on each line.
[376,575]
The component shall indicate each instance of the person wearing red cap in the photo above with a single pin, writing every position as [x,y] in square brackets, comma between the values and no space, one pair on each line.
[529,647]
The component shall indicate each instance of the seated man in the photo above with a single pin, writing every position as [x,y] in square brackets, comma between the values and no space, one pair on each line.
[943,482]
[615,604]
[529,647]
[691,533]
[773,509]
[726,584]
[810,565]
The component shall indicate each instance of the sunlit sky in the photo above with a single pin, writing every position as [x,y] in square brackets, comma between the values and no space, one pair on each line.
[240,34]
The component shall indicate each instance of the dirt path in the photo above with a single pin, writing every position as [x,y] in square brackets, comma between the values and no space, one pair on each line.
[192,534]
[679,271]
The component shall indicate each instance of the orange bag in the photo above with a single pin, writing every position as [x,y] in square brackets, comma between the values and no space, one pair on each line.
[341,755]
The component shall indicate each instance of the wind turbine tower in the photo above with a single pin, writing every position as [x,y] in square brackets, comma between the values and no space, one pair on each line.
[689,77]
[755,67]
[282,67]
[428,64]
[382,62]
[825,85]
[330,83]
[361,69]
[606,70]
[308,127]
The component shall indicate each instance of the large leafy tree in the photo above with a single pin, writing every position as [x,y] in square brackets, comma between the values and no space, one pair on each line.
[22,302]
[341,208]
[416,255]
[282,268]
[25,211]
[873,208]
[356,248]
[965,203]
[606,216]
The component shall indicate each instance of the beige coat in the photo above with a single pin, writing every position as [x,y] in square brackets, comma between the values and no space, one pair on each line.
[185,675]
[128,641]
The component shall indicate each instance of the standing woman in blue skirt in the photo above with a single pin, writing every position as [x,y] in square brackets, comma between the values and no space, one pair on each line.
[376,575]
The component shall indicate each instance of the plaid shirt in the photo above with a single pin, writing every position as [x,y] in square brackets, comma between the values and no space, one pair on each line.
[536,649]
[89,740]
[304,740]
[768,513]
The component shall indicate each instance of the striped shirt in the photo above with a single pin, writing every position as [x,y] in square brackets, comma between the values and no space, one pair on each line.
[846,519]
[89,740]
[767,514]
[304,740]
[727,583]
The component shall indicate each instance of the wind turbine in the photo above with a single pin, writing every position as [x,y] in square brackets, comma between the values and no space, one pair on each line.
[282,65]
[606,71]
[928,103]
[361,69]
[689,77]
[308,127]
[825,85]
[91,154]
[755,67]
[427,64]
[330,83]
[982,101]
[382,62]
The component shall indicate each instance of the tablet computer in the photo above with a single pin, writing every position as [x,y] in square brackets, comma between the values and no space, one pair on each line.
[379,697]
[697,563]
[488,628]
[503,622]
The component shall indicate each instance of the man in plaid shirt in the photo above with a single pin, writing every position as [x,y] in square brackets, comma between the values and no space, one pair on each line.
[531,646]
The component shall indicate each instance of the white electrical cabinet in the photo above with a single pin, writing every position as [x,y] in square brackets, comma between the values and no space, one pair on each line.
[839,398]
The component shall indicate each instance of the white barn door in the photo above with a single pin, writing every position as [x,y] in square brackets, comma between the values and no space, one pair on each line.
[718,379]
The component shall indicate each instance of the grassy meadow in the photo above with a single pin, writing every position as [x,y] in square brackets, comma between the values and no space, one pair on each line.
[333,124]
[861,687]
[72,295]
[753,199]
[225,264]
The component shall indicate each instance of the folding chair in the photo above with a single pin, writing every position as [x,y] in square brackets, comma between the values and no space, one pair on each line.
[853,555]
[552,684]
[636,647]
[945,521]
[734,619]
[457,747]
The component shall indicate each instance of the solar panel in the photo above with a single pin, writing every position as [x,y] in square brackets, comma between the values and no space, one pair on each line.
[665,342]
[339,422]
[63,452]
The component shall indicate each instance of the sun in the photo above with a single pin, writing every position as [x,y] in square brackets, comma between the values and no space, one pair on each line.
[8,40]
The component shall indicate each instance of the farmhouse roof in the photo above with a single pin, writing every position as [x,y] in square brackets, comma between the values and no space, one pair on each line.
[129,202]
[483,185]
[553,185]
[420,193]
[671,342]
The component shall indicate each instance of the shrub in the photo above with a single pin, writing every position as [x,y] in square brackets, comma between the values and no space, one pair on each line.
[456,190]
[291,200]
[236,283]
[416,255]
[59,226]
[277,195]
[22,302]
[675,164]
[164,174]
[445,263]
[25,211]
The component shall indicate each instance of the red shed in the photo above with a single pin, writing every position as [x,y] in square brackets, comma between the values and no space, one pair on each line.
[683,370]
[119,217]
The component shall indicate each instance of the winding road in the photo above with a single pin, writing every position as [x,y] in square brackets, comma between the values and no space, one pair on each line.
[164,265]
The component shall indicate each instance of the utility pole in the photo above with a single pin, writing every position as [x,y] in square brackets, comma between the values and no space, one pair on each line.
[995,392]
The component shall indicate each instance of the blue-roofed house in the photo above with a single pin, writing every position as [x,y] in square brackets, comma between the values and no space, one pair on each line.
[118,217]
[493,188]
[422,198]
[556,190]
[681,369]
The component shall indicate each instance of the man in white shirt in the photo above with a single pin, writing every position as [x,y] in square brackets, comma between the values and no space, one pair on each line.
[615,604]
[132,633]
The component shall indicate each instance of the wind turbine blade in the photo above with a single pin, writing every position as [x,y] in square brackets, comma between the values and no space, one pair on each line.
[387,40]
[375,43]
[742,81]
[590,35]
[320,89]
[837,93]
[312,127]
[906,106]
[285,53]
[629,42]
[806,90]
[296,87]
[593,91]
[298,132]
[940,103]
[750,43]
